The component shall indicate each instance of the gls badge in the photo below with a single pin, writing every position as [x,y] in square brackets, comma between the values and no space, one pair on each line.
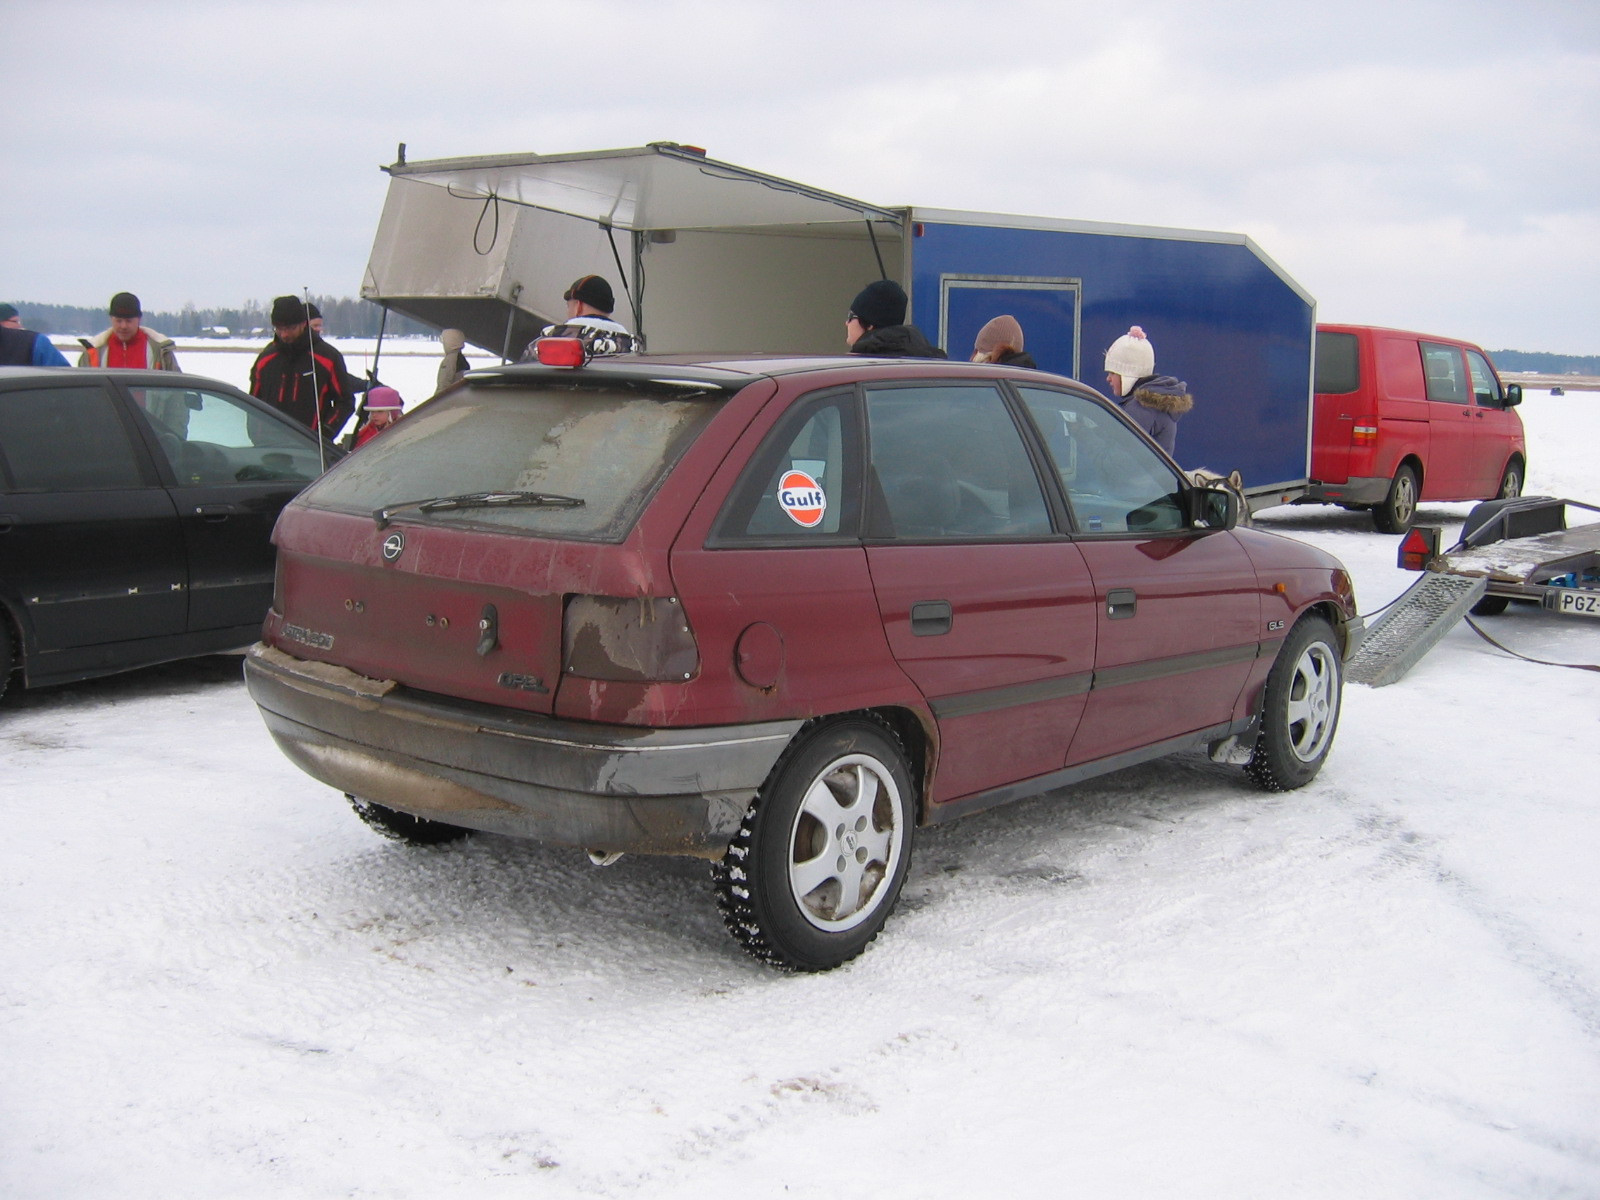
[392,545]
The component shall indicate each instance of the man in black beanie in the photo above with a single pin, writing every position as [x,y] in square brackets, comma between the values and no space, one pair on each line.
[589,305]
[284,371]
[876,324]
[128,343]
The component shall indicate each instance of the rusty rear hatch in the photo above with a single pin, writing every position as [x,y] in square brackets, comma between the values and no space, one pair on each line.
[441,554]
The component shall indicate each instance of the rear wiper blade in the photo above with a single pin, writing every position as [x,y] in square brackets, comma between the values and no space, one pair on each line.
[476,500]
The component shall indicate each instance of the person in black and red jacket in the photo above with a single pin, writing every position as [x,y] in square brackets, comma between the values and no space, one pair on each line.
[283,372]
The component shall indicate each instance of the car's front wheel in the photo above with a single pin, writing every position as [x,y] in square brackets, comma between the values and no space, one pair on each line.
[1301,710]
[403,827]
[818,863]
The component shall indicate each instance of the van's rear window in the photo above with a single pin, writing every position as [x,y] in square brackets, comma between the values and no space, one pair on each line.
[608,447]
[1338,363]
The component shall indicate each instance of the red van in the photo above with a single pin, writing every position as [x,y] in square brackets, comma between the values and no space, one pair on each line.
[1402,417]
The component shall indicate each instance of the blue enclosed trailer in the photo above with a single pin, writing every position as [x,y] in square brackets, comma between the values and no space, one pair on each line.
[714,257]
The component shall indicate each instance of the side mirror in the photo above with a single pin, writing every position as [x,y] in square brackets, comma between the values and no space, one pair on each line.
[1513,395]
[1212,508]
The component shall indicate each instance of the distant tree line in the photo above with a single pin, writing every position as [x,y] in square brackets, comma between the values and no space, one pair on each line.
[342,316]
[1546,364]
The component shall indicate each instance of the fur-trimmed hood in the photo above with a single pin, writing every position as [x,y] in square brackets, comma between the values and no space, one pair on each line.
[1164,394]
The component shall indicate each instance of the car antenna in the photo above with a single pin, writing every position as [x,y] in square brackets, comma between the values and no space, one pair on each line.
[316,398]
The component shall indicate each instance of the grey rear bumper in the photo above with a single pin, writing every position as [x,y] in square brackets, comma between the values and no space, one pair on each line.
[601,787]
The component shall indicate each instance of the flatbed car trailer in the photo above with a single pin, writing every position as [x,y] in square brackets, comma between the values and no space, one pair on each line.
[1525,549]
[1521,548]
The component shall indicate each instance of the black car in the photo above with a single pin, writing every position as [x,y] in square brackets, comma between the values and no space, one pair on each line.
[136,515]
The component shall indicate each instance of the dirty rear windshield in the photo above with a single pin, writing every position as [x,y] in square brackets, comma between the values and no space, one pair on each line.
[606,446]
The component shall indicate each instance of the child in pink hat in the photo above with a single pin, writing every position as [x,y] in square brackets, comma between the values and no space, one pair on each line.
[384,408]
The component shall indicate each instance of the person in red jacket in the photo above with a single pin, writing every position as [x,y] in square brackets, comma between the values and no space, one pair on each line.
[384,408]
[302,374]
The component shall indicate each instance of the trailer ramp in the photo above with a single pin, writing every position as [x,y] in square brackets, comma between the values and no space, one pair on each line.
[1413,626]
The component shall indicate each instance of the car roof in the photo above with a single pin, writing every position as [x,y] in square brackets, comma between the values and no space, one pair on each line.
[128,375]
[730,372]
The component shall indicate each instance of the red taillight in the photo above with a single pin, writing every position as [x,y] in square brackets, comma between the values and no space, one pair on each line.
[1363,435]
[1419,547]
[561,351]
[631,638]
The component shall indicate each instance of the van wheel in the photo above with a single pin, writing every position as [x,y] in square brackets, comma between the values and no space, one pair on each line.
[1301,711]
[1395,512]
[403,827]
[816,867]
[1510,482]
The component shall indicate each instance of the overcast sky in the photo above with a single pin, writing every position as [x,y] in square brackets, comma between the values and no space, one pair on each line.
[1429,165]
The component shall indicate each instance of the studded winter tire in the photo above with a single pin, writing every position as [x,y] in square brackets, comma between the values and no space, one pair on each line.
[1301,710]
[403,827]
[819,861]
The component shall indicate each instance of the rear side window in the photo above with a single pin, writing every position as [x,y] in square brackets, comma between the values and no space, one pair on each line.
[1447,378]
[1338,363]
[949,464]
[66,440]
[607,446]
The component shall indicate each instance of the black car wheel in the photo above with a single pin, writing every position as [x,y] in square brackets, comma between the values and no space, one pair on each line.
[403,827]
[818,863]
[1395,512]
[1301,711]
[8,654]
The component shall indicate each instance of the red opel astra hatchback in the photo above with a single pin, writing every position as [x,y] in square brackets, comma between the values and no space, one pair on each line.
[778,613]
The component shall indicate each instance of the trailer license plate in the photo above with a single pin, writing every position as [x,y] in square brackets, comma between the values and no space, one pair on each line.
[1582,604]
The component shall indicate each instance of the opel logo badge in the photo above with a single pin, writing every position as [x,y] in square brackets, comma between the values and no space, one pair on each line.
[392,545]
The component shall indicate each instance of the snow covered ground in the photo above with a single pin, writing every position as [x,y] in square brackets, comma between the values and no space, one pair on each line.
[214,981]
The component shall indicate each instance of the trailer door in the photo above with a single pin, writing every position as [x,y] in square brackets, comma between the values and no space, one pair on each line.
[1047,310]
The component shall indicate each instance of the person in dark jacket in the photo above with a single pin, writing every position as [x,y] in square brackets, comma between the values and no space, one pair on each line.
[21,347]
[876,324]
[284,372]
[1152,402]
[1000,341]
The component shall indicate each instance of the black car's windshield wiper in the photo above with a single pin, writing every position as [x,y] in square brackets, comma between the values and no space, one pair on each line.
[476,500]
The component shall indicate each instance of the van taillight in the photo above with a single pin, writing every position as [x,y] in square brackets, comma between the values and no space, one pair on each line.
[632,638]
[1363,435]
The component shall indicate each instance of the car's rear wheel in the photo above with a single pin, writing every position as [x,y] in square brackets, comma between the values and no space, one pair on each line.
[819,861]
[403,827]
[1510,482]
[1301,710]
[1395,512]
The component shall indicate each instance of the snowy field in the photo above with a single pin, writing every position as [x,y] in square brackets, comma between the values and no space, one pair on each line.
[214,981]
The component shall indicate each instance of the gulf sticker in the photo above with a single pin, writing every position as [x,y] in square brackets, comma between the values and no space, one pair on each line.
[802,498]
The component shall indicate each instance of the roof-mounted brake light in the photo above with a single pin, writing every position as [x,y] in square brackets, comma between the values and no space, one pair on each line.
[561,351]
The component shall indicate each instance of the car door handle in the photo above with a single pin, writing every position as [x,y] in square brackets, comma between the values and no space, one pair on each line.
[929,618]
[216,512]
[1121,603]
